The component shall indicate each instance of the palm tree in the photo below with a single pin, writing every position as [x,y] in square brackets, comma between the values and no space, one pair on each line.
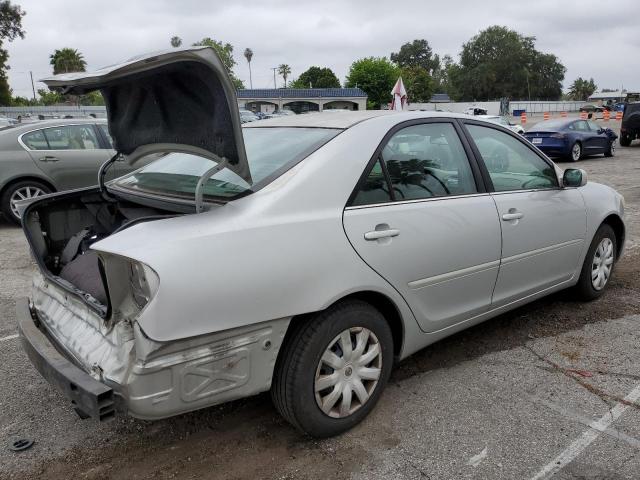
[248,54]
[176,41]
[284,70]
[67,60]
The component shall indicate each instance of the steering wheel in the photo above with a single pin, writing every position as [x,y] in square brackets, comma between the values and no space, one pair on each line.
[429,172]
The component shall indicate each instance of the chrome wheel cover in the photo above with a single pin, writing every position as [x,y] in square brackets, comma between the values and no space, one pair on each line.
[575,152]
[24,193]
[602,264]
[348,372]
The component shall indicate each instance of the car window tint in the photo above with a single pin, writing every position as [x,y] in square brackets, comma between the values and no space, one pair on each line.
[581,126]
[105,130]
[72,137]
[427,160]
[374,189]
[594,126]
[511,164]
[35,140]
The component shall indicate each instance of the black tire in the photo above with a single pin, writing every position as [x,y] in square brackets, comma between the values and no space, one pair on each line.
[5,201]
[292,389]
[585,289]
[625,140]
[577,146]
[611,149]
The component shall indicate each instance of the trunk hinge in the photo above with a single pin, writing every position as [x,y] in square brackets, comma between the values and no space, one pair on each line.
[103,172]
[203,179]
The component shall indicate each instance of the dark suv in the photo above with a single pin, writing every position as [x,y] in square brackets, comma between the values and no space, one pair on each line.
[630,128]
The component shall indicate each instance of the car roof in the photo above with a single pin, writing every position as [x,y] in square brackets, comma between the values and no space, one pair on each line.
[38,124]
[343,120]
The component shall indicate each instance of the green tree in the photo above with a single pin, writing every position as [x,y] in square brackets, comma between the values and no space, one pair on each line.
[316,77]
[284,71]
[499,62]
[416,54]
[376,76]
[66,60]
[10,29]
[582,89]
[94,98]
[248,54]
[175,41]
[225,52]
[49,98]
[419,84]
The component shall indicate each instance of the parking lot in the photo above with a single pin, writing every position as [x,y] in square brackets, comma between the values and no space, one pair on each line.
[550,389]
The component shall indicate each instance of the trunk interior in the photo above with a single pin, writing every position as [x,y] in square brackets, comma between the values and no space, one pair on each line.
[62,229]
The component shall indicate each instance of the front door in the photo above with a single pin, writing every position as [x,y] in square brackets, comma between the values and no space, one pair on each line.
[420,221]
[599,139]
[72,155]
[543,225]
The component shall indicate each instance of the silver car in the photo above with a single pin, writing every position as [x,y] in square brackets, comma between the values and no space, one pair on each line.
[50,156]
[303,255]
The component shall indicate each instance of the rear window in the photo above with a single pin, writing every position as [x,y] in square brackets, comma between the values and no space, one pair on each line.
[270,152]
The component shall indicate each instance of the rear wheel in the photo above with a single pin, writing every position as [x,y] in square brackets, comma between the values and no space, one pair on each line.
[333,368]
[22,190]
[598,264]
[576,152]
[611,149]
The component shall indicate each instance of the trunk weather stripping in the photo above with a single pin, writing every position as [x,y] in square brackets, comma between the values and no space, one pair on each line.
[102,173]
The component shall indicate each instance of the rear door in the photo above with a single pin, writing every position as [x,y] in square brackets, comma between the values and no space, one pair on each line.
[543,225]
[422,219]
[599,138]
[72,156]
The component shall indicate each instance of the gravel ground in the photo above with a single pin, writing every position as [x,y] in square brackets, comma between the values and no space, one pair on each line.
[511,398]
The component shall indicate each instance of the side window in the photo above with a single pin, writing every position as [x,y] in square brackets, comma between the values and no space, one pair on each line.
[511,164]
[375,188]
[105,130]
[581,126]
[35,140]
[422,161]
[72,137]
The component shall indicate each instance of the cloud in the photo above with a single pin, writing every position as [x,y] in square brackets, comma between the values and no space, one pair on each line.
[591,41]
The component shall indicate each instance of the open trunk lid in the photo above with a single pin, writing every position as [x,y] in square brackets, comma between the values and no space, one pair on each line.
[174,100]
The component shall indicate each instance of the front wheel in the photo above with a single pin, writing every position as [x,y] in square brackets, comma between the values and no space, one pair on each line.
[598,264]
[611,149]
[625,140]
[333,368]
[576,152]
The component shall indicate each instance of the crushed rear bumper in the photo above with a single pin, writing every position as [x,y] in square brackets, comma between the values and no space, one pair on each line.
[88,396]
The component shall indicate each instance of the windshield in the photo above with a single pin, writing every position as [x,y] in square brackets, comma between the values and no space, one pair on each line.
[270,152]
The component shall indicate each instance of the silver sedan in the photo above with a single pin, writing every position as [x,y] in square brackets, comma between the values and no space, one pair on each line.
[303,255]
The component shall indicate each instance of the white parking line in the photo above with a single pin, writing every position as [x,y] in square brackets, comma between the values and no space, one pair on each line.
[587,438]
[9,337]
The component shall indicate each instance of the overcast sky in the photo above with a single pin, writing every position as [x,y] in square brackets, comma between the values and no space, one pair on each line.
[591,38]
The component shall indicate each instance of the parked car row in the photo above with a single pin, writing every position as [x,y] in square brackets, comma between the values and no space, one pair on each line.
[247,116]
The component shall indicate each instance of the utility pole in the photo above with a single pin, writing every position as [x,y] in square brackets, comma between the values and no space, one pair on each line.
[33,88]
[274,76]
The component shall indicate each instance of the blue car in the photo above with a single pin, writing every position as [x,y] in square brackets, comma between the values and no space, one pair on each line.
[572,139]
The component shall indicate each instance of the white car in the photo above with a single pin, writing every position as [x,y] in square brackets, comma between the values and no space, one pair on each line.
[504,121]
[303,255]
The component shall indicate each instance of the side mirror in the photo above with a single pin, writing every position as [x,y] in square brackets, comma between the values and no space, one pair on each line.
[574,177]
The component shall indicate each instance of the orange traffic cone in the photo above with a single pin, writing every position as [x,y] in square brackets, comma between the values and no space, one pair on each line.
[563,114]
[547,115]
[606,115]
[523,118]
[618,115]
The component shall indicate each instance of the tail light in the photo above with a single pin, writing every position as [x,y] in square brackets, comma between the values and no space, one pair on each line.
[558,135]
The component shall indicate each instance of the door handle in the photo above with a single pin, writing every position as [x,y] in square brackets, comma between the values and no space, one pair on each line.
[512,215]
[48,158]
[378,234]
